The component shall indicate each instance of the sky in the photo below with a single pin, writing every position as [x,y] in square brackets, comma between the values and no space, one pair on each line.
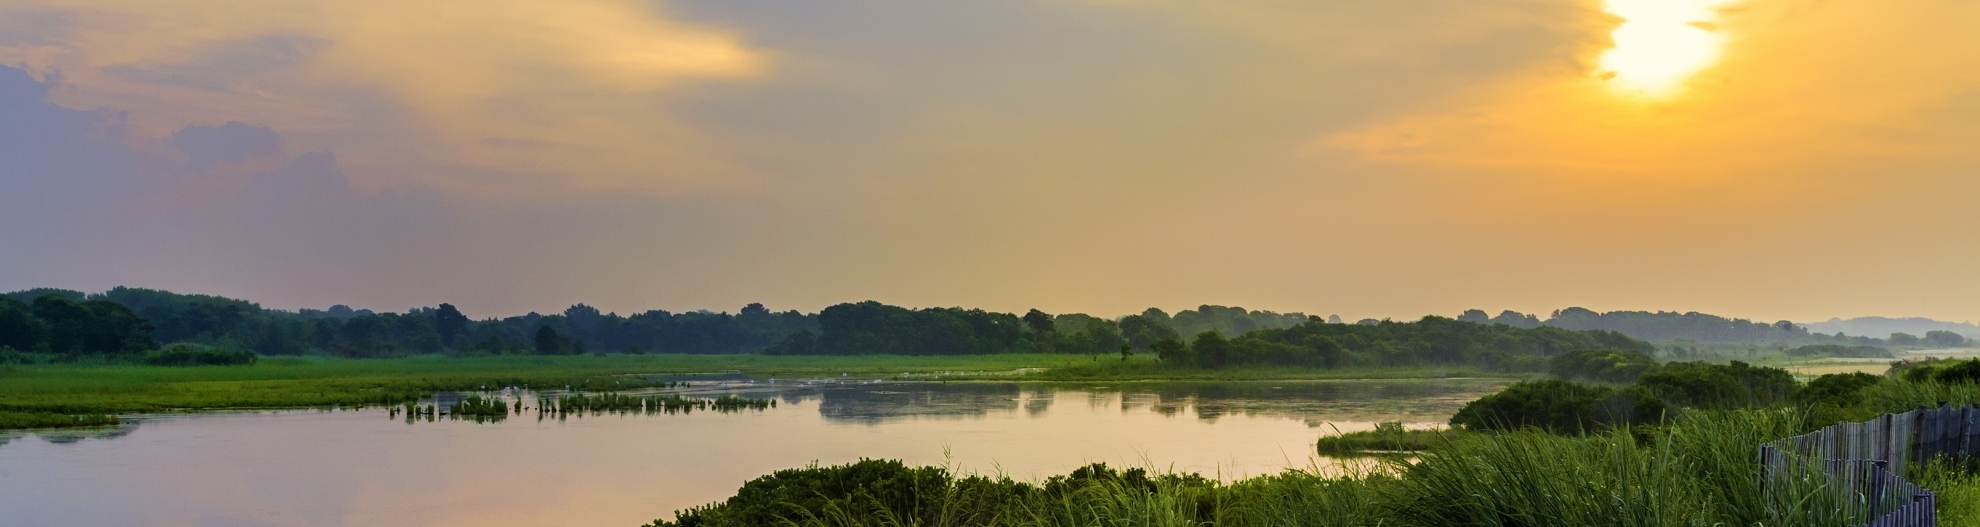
[1766,159]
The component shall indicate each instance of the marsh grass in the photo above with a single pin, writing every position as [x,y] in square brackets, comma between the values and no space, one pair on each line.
[19,420]
[1388,437]
[1699,471]
[286,382]
[1899,395]
[1958,489]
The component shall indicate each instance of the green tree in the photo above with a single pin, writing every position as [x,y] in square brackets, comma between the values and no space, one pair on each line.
[19,328]
[1172,351]
[1945,339]
[450,323]
[1143,331]
[1039,322]
[549,342]
[1212,350]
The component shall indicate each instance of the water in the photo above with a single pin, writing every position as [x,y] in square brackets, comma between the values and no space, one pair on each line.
[334,468]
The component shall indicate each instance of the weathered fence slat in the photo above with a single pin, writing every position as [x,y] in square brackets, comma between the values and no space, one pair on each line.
[1866,462]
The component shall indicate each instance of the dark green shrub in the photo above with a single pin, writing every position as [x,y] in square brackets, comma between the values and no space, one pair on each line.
[1707,385]
[1559,407]
[913,495]
[1841,389]
[1958,372]
[1618,366]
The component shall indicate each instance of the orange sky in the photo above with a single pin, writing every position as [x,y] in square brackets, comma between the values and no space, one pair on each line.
[1770,159]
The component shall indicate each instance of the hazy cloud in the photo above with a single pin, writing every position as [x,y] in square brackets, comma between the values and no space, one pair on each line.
[1366,158]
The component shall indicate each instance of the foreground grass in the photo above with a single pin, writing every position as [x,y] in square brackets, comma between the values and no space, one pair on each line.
[1958,489]
[1700,471]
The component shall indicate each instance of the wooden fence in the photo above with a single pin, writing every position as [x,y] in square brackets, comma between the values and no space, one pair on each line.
[1865,463]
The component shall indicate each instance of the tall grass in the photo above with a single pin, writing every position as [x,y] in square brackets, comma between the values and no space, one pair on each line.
[1958,489]
[1898,395]
[18,420]
[1701,470]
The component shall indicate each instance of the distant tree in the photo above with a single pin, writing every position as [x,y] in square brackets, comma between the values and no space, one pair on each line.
[549,342]
[1212,350]
[1142,331]
[1039,322]
[1172,351]
[1475,316]
[449,322]
[1945,339]
[19,328]
[1904,339]
[1330,352]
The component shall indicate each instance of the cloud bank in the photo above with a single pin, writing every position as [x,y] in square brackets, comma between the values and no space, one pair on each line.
[1370,159]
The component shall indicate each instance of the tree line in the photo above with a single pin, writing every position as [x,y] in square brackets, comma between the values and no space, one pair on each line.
[64,325]
[1670,325]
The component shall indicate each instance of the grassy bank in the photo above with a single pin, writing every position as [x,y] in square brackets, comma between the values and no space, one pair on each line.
[276,382]
[1386,437]
[1700,471]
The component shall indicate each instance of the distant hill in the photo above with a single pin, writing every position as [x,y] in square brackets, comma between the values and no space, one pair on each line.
[1883,327]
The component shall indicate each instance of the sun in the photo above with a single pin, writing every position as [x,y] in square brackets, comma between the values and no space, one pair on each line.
[1660,43]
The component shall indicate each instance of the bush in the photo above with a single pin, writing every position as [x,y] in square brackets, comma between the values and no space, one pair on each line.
[183,355]
[1959,372]
[1559,407]
[1617,366]
[1936,370]
[915,495]
[1841,389]
[1707,385]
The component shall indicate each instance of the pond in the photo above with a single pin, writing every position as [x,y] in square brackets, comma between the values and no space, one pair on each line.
[369,468]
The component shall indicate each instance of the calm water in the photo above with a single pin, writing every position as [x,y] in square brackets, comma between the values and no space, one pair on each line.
[362,468]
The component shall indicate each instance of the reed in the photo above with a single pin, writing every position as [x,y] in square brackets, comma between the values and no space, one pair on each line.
[1700,470]
[19,420]
[1386,438]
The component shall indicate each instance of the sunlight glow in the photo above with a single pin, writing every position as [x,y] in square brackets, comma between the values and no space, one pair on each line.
[1660,43]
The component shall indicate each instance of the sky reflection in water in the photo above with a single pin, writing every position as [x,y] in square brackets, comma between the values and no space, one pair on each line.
[316,468]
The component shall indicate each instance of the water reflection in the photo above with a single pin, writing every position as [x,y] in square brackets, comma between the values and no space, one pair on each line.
[316,468]
[64,436]
[1313,402]
[870,402]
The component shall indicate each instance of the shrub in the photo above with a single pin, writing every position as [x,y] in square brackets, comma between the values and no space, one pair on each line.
[1959,372]
[1707,385]
[1841,389]
[1559,407]
[1618,366]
